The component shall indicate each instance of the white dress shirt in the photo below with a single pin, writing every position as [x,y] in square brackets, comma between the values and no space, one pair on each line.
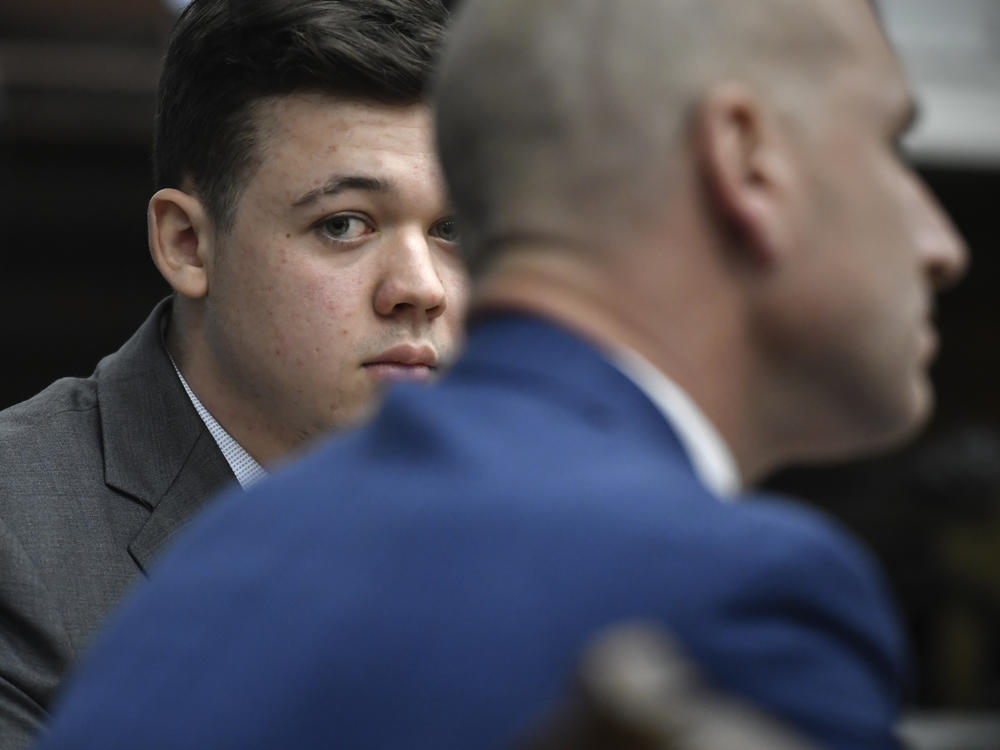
[712,460]
[248,472]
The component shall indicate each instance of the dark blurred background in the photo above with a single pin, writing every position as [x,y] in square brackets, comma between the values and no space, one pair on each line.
[77,80]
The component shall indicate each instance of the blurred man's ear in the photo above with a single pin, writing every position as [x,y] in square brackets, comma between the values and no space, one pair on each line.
[747,170]
[181,240]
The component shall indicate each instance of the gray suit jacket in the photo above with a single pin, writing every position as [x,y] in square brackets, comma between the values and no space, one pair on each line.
[96,475]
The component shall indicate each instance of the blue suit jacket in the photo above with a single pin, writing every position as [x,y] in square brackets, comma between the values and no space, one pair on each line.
[429,581]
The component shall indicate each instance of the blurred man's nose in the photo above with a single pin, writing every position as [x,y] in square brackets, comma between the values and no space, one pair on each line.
[941,246]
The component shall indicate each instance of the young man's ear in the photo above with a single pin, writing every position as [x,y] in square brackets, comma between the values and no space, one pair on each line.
[747,170]
[180,240]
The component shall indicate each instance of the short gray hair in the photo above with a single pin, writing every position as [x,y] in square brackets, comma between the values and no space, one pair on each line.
[555,114]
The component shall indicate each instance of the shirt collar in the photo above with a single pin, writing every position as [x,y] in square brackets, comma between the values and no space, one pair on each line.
[712,460]
[248,472]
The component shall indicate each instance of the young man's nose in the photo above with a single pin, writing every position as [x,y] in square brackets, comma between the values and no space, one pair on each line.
[410,281]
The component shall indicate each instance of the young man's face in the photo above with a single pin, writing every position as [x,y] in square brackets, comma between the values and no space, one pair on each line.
[340,273]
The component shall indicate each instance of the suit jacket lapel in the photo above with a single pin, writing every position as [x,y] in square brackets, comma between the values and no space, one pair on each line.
[203,473]
[156,448]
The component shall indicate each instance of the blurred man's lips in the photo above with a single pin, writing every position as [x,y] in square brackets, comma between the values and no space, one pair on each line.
[929,340]
[929,344]
[405,362]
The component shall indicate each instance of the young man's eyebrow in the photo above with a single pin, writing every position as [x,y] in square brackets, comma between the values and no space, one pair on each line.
[340,183]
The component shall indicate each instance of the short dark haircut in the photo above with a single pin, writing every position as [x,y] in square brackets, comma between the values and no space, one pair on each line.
[225,56]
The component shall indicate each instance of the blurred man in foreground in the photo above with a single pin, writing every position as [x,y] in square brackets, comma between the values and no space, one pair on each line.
[698,257]
[302,223]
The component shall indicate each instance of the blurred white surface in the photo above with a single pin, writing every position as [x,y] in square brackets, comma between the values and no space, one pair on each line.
[951,731]
[951,51]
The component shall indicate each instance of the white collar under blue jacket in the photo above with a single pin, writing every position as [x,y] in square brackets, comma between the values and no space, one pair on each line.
[712,460]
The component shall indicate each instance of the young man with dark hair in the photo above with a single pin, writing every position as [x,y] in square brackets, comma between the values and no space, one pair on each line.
[301,220]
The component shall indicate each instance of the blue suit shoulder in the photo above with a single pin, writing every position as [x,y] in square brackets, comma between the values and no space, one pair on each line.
[826,644]
[430,580]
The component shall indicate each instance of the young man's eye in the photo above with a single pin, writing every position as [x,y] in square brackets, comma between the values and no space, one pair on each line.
[345,227]
[446,229]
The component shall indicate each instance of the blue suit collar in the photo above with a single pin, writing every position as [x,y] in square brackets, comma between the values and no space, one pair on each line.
[550,358]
